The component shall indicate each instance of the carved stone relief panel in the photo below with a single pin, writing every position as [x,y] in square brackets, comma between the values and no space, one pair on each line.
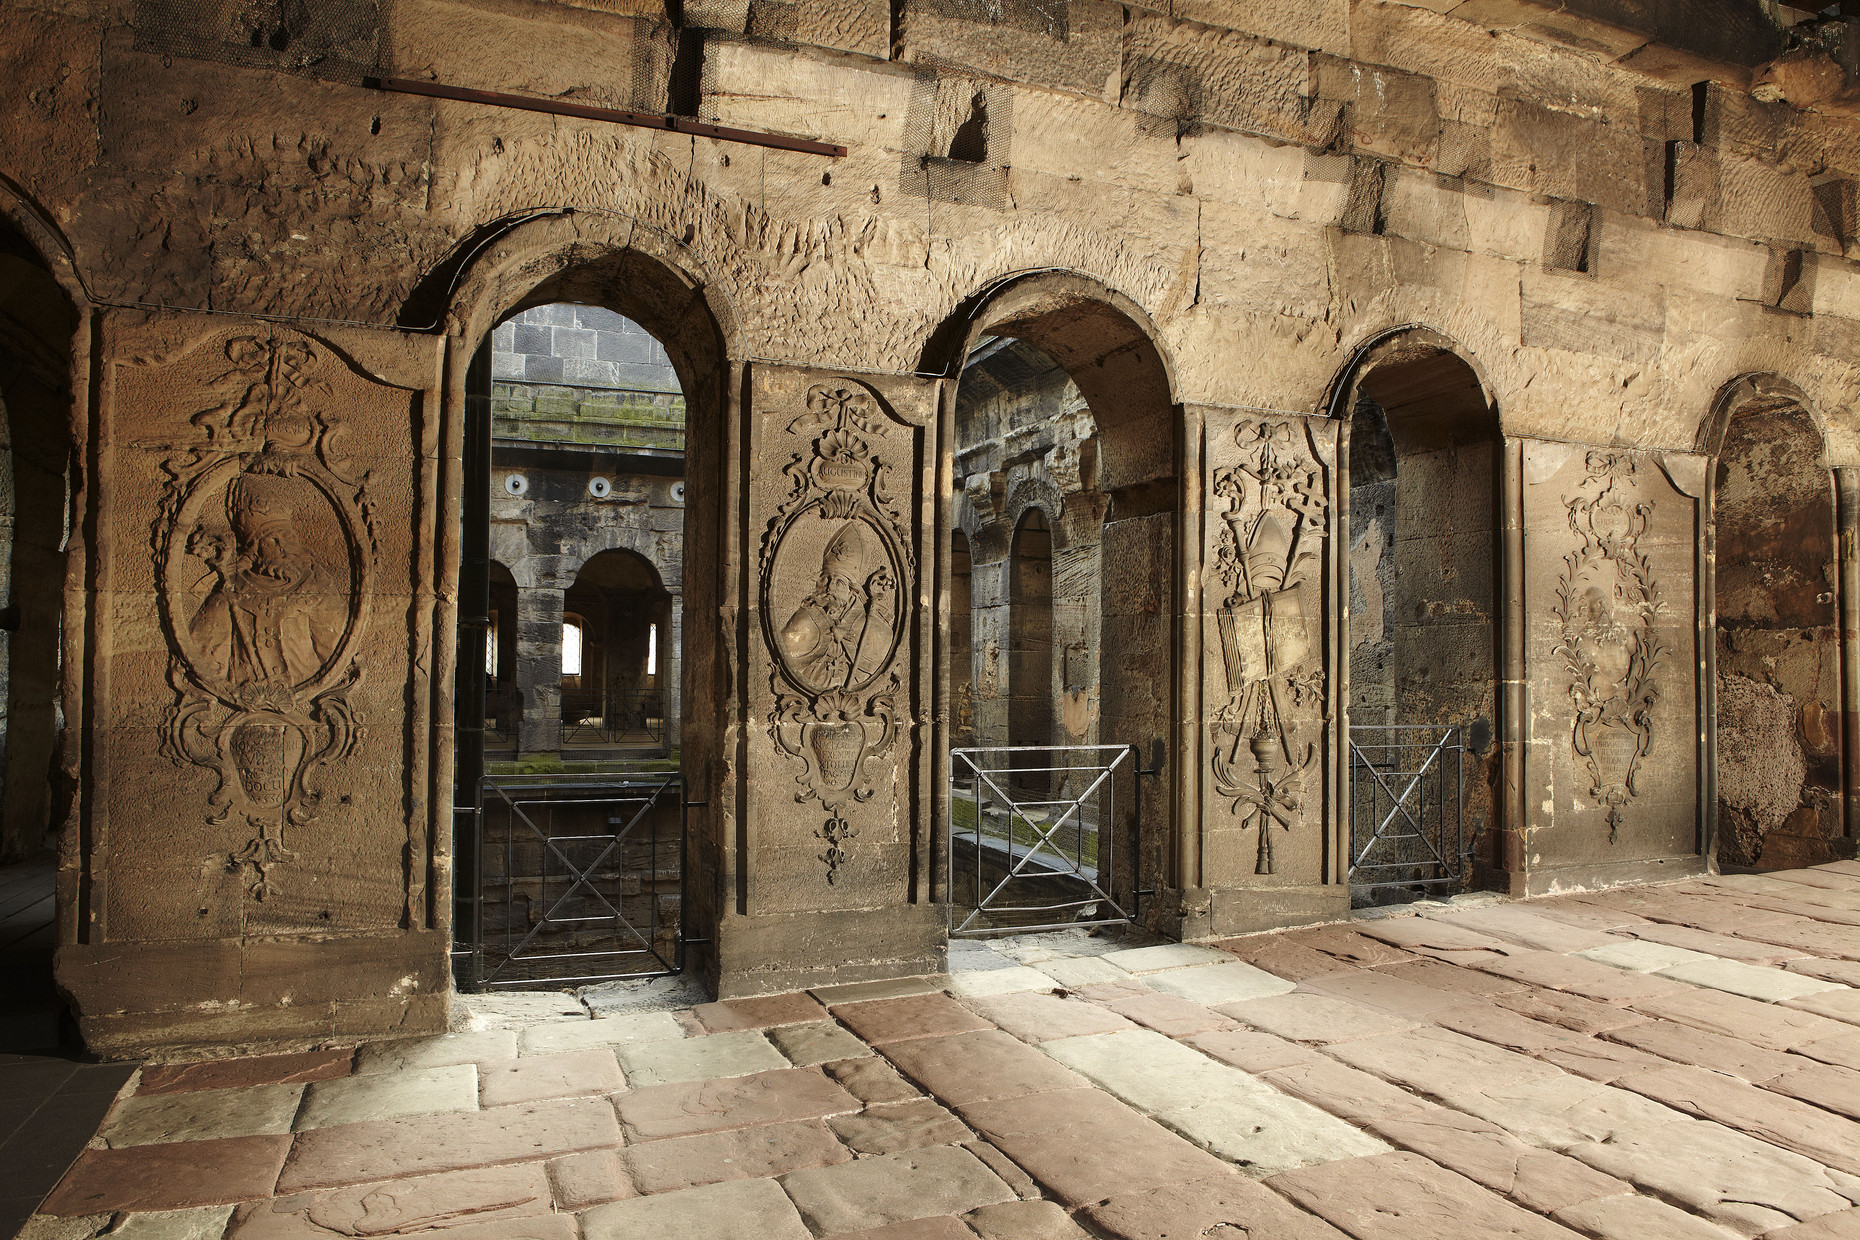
[1611,547]
[259,489]
[838,504]
[1267,689]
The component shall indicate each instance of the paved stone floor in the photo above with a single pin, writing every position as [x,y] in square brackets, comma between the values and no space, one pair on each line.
[1660,1063]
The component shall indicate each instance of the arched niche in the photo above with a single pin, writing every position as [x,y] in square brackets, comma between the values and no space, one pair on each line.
[1425,601]
[1066,440]
[1776,644]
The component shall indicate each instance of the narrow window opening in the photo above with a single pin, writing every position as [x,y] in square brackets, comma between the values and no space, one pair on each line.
[652,650]
[571,648]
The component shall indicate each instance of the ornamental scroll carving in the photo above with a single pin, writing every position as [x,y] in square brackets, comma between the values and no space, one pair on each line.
[1275,515]
[835,561]
[1607,603]
[264,557]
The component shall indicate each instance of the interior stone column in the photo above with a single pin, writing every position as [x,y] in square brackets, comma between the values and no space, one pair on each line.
[539,669]
[260,851]
[671,669]
[1274,835]
[832,803]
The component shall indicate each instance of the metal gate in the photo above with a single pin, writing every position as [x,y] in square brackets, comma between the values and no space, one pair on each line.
[580,878]
[1407,792]
[1034,838]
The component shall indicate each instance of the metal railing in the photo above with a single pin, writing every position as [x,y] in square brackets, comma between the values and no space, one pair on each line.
[1407,793]
[633,717]
[580,878]
[1034,836]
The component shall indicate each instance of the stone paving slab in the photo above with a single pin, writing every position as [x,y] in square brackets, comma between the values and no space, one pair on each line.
[1706,943]
[200,1115]
[693,1107]
[247,1070]
[916,1016]
[1638,1218]
[1016,977]
[1395,995]
[1843,1004]
[389,1095]
[482,1195]
[1042,1017]
[568,1074]
[172,1176]
[1402,1196]
[1280,956]
[936,1227]
[1559,1111]
[864,992]
[710,1158]
[590,1178]
[1170,1015]
[1830,1088]
[1268,1132]
[1074,974]
[440,1052]
[768,1012]
[1084,1146]
[1348,944]
[1748,1020]
[699,1059]
[201,1223]
[824,1042]
[393,1148]
[1536,1179]
[1753,981]
[1305,1017]
[1641,956]
[1138,961]
[898,1126]
[1517,924]
[978,1067]
[1214,984]
[1250,1051]
[580,1035]
[1151,1072]
[1025,1220]
[871,1080]
[1827,1138]
[737,1208]
[894,1188]
[1221,1208]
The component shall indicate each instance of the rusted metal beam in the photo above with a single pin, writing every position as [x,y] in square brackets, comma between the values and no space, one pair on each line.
[617,116]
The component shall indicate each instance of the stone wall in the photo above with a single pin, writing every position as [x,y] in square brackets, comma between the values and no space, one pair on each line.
[1208,218]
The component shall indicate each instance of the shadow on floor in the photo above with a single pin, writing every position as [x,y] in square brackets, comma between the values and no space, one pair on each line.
[51,1101]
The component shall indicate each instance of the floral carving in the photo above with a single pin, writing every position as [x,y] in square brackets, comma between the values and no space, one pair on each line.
[264,551]
[1607,603]
[1268,563]
[839,543]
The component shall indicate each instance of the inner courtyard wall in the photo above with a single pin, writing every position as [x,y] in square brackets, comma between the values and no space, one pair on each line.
[1605,221]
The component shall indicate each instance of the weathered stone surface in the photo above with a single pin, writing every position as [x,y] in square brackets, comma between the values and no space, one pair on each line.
[1521,926]
[1266,1132]
[1623,1217]
[974,1067]
[443,1051]
[1139,961]
[1784,1122]
[1750,980]
[1314,1018]
[389,1095]
[1402,1195]
[202,1223]
[1431,936]
[1076,972]
[1219,1205]
[202,1115]
[1537,1179]
[174,1176]
[775,1010]
[590,1178]
[1747,1020]
[1279,955]
[535,1077]
[247,1070]
[1570,1011]
[765,1150]
[1828,1087]
[1440,1062]
[1349,944]
[805,1045]
[917,1016]
[1684,1043]
[1151,1072]
[692,1107]
[1503,1027]
[1085,1147]
[1210,985]
[1388,993]
[480,1196]
[865,992]
[1035,1017]
[981,983]
[1024,1220]
[1581,977]
[751,1207]
[894,1188]
[1724,1175]
[936,1227]
[870,1080]
[1559,1111]
[899,1126]
[1252,1052]
[569,1035]
[1641,956]
[353,1153]
[699,1059]
[1837,1004]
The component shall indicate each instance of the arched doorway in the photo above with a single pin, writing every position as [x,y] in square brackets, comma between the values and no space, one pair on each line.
[1425,619]
[579,397]
[1066,445]
[1777,642]
[625,696]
